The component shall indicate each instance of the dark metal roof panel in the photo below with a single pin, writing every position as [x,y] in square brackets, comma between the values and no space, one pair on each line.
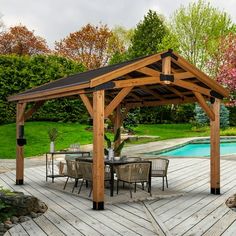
[80,78]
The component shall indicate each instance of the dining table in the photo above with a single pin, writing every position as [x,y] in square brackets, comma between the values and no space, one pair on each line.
[113,163]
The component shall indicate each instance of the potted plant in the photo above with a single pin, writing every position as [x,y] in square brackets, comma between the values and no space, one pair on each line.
[112,151]
[53,135]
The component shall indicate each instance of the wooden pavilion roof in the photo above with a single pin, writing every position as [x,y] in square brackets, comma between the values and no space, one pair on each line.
[149,84]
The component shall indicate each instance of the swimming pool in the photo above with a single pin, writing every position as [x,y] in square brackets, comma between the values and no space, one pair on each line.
[198,150]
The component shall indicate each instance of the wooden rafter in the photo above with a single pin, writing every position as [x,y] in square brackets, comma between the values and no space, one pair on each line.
[175,91]
[183,75]
[87,104]
[193,87]
[136,97]
[150,91]
[200,75]
[204,106]
[117,100]
[57,92]
[124,70]
[149,71]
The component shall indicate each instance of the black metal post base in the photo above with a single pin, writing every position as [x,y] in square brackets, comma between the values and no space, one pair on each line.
[19,182]
[215,191]
[98,205]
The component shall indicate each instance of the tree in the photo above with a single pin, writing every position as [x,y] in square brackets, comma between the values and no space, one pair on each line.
[92,45]
[199,28]
[227,69]
[148,35]
[19,40]
[203,120]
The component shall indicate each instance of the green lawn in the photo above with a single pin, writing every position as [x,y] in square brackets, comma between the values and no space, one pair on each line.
[38,142]
[37,137]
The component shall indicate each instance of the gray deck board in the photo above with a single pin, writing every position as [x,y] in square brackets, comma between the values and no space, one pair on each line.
[195,212]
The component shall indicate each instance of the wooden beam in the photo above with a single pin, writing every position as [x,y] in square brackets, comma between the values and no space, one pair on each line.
[159,103]
[204,106]
[200,75]
[166,65]
[117,100]
[215,149]
[125,70]
[20,109]
[193,87]
[87,104]
[137,82]
[149,71]
[183,75]
[148,90]
[175,91]
[98,150]
[53,93]
[33,109]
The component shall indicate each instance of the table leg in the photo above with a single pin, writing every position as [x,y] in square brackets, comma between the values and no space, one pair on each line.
[112,180]
[46,167]
[150,179]
[52,169]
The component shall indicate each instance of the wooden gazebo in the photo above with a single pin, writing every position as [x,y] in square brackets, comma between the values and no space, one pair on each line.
[159,79]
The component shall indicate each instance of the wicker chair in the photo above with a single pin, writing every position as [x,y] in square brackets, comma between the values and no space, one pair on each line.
[159,169]
[86,169]
[133,173]
[73,171]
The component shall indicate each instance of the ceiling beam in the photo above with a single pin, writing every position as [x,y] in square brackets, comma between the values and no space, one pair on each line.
[148,90]
[159,103]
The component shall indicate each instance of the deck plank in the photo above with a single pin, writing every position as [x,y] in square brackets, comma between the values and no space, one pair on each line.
[196,212]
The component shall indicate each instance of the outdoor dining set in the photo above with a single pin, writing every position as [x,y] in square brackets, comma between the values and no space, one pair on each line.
[133,171]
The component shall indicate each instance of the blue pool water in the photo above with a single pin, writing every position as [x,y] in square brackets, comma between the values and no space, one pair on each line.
[200,150]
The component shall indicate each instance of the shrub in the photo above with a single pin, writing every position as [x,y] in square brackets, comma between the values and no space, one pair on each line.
[19,73]
[202,119]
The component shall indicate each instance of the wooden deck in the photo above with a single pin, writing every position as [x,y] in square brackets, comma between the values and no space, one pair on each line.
[196,212]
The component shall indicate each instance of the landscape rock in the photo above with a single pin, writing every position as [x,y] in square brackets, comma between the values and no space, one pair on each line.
[24,218]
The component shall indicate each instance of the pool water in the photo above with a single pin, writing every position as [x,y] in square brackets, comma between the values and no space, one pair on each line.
[200,150]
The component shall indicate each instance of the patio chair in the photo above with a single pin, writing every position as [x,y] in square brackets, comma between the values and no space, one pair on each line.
[159,169]
[133,173]
[86,169]
[73,172]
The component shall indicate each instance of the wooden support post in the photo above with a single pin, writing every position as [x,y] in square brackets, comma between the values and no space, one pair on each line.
[20,108]
[98,150]
[166,65]
[117,124]
[215,149]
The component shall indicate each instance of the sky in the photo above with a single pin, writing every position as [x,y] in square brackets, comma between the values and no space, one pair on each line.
[55,19]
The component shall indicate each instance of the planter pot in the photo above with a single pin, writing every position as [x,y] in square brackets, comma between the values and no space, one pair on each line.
[110,154]
[52,147]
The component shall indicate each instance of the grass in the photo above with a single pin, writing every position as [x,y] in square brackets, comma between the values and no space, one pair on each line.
[37,137]
[168,131]
[38,141]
